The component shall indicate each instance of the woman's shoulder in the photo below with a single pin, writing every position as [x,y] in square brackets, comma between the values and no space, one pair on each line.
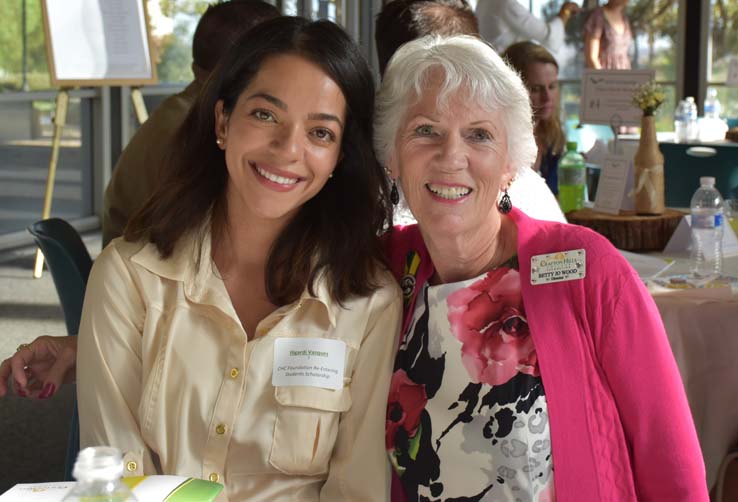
[595,20]
[118,253]
[550,236]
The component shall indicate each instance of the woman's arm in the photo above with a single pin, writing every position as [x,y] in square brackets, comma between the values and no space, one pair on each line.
[527,26]
[109,370]
[359,466]
[648,390]
[592,52]
[593,28]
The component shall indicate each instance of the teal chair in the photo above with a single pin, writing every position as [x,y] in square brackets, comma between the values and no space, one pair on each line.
[69,262]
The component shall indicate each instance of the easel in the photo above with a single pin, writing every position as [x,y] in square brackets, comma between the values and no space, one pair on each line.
[60,120]
[66,72]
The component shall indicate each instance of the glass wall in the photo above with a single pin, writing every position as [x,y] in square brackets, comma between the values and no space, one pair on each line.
[722,47]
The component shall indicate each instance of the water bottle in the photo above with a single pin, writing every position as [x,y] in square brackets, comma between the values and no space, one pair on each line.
[707,230]
[690,110]
[712,104]
[98,472]
[572,179]
[680,122]
[712,128]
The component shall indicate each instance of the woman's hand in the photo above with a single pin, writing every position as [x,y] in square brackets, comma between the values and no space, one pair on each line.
[39,368]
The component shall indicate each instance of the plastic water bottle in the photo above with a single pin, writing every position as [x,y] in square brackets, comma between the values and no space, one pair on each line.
[690,113]
[572,179]
[98,472]
[680,122]
[712,104]
[707,229]
[712,128]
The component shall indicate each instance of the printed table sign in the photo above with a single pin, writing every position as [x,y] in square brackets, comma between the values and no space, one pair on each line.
[607,96]
[611,188]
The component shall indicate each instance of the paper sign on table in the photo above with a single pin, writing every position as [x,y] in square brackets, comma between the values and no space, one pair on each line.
[681,240]
[611,188]
[37,492]
[607,96]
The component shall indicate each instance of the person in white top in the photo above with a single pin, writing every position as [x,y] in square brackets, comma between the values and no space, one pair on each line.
[504,22]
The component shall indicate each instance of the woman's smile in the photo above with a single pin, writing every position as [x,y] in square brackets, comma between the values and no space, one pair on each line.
[274,178]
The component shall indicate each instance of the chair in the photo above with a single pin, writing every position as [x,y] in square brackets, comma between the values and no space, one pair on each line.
[69,263]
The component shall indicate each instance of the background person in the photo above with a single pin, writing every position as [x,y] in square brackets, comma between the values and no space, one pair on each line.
[507,386]
[401,21]
[607,37]
[263,233]
[504,22]
[540,73]
[138,170]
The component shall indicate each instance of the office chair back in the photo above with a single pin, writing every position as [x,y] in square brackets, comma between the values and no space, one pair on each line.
[69,263]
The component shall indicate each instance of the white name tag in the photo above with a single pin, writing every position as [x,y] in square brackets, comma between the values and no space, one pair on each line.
[311,362]
[558,267]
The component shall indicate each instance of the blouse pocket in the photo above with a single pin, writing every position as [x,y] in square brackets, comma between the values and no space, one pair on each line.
[306,427]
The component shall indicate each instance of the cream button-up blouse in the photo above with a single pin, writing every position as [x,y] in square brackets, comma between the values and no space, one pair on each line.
[167,375]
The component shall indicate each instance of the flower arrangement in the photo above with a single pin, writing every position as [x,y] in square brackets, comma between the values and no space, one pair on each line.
[648,97]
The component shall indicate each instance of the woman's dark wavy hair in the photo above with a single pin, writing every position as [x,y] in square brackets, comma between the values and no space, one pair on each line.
[335,232]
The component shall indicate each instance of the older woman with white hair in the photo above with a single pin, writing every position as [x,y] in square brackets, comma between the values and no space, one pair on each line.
[533,364]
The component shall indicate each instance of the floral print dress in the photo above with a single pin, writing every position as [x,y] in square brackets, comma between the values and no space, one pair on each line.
[467,418]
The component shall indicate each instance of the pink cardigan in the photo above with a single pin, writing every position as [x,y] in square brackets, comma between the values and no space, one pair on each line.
[621,429]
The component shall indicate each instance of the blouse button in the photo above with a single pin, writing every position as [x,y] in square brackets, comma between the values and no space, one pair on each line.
[214,477]
[131,466]
[220,429]
[234,372]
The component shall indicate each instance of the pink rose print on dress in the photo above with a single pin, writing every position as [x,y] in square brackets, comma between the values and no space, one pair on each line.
[405,403]
[489,321]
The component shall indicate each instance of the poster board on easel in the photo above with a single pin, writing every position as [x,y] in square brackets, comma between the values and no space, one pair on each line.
[93,43]
[98,43]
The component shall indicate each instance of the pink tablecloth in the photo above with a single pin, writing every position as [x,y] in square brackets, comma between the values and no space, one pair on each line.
[704,338]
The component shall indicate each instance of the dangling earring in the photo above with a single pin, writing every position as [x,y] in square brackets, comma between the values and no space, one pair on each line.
[505,204]
[394,194]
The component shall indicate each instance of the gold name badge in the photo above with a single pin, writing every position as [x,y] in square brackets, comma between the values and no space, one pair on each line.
[558,267]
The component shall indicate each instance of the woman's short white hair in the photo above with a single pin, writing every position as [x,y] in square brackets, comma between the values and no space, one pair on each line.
[467,63]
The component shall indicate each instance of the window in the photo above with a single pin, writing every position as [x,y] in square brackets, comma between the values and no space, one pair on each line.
[722,45]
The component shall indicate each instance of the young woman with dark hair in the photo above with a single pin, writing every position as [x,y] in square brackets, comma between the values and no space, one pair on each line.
[243,329]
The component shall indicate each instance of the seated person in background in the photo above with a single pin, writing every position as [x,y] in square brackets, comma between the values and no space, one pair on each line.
[503,22]
[401,21]
[264,232]
[607,37]
[507,386]
[138,170]
[540,73]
